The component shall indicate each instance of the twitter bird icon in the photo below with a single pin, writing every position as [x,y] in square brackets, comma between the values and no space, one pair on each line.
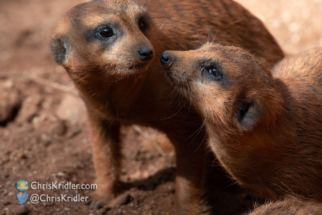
[22,199]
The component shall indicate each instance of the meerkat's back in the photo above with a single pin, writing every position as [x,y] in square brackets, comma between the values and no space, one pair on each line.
[290,206]
[300,78]
[187,22]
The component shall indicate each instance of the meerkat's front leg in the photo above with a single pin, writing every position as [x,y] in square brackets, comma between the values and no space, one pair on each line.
[106,148]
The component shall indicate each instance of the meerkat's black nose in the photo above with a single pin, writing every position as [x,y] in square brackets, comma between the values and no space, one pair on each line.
[166,59]
[145,54]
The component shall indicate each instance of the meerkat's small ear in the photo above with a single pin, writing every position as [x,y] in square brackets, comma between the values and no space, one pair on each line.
[60,48]
[248,113]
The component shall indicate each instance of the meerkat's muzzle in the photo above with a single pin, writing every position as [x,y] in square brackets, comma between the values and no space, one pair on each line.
[166,59]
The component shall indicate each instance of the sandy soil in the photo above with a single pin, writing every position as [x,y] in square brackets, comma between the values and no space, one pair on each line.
[43,132]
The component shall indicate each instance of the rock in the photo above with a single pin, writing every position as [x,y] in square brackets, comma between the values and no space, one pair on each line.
[6,202]
[104,210]
[59,127]
[121,200]
[20,210]
[29,109]
[10,103]
[8,84]
[22,155]
[48,126]
[74,133]
[73,109]
[61,174]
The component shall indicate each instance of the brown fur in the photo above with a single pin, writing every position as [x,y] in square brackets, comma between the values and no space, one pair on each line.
[119,89]
[291,206]
[266,129]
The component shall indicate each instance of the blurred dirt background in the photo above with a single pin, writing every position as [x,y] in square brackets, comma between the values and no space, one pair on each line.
[43,133]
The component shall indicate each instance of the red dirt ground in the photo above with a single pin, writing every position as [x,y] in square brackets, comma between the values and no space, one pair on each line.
[43,132]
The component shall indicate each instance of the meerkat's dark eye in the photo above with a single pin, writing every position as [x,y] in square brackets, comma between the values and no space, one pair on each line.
[214,72]
[105,32]
[142,24]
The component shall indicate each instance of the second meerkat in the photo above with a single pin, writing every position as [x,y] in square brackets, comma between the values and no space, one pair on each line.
[264,127]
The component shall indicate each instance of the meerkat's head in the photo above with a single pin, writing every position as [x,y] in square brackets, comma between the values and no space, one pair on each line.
[104,38]
[228,86]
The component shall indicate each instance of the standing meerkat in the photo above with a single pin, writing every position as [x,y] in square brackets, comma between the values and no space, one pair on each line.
[265,128]
[111,51]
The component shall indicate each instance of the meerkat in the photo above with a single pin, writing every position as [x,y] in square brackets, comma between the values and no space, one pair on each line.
[111,51]
[264,127]
[289,206]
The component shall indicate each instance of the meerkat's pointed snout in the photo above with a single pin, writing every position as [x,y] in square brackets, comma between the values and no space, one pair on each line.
[166,59]
[145,53]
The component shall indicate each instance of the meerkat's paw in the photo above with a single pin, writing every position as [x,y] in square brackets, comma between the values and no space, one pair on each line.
[105,193]
[108,194]
[98,200]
